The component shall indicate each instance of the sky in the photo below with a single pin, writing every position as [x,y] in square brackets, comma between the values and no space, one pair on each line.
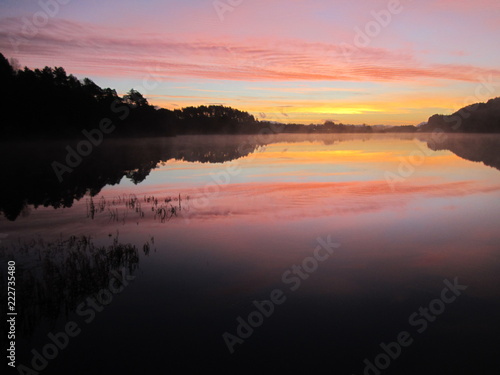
[393,62]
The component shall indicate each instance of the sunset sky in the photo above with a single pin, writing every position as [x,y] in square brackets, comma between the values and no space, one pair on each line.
[351,61]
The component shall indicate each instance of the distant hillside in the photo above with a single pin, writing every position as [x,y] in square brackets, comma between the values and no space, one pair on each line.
[475,118]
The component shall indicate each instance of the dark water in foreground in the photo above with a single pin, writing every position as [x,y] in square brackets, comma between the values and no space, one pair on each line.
[240,254]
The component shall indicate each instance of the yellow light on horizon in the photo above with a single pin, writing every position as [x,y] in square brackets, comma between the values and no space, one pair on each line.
[343,110]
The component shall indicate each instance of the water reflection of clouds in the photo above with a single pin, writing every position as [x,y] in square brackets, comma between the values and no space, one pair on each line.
[323,198]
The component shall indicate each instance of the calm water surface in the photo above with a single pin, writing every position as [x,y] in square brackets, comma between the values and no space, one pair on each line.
[354,237]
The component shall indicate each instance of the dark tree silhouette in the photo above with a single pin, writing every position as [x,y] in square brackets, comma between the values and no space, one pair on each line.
[475,118]
[135,99]
[49,103]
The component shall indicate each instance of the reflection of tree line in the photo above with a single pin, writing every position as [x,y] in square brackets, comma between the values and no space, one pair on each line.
[483,148]
[29,179]
[54,277]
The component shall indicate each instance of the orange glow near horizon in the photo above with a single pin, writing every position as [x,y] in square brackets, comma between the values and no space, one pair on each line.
[406,110]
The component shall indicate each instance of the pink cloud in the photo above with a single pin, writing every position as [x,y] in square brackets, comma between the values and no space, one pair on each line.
[112,52]
[467,5]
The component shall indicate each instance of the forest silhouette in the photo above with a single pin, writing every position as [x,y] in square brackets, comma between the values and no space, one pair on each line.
[50,104]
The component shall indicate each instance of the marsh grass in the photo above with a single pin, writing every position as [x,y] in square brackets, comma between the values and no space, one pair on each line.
[119,208]
[54,277]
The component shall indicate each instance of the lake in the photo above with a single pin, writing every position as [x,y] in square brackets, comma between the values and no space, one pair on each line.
[352,254]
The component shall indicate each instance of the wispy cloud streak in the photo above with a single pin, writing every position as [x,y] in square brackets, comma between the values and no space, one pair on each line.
[99,50]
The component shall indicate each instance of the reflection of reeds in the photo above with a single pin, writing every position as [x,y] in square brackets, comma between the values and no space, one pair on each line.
[163,209]
[54,277]
[113,214]
[92,209]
